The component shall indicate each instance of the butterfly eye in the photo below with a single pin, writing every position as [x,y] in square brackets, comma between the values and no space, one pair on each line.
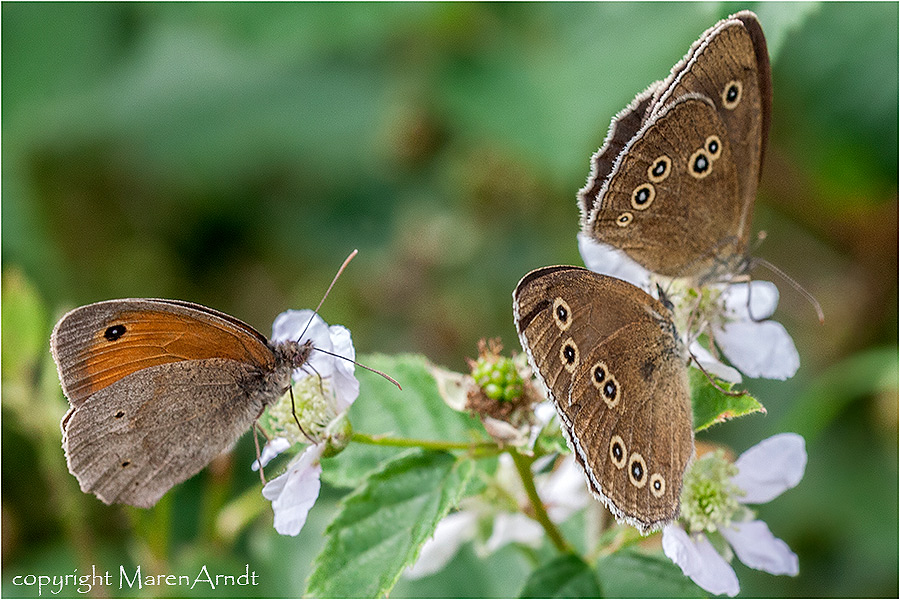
[731,94]
[657,485]
[637,470]
[617,451]
[114,332]
[624,219]
[714,146]
[642,196]
[569,355]
[562,314]
[700,164]
[659,169]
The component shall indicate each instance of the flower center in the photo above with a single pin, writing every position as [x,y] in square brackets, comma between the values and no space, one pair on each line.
[311,405]
[709,498]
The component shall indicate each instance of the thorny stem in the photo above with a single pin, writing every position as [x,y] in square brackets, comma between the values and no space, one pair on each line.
[523,465]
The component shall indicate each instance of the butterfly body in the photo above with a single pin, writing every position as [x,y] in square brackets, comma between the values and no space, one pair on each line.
[674,184]
[157,389]
[611,361]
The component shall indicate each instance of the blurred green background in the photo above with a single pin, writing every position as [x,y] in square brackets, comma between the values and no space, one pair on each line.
[234,154]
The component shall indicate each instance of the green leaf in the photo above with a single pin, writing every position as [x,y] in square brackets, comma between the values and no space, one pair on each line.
[711,406]
[26,338]
[382,525]
[632,574]
[565,576]
[418,412]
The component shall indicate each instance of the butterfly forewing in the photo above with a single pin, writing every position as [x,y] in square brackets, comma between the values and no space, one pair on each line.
[611,362]
[98,344]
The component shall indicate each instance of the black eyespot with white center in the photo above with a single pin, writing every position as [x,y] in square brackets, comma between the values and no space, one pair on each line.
[568,353]
[609,389]
[714,146]
[657,485]
[114,332]
[624,219]
[637,469]
[562,314]
[731,94]
[599,373]
[642,196]
[700,164]
[659,169]
[617,451]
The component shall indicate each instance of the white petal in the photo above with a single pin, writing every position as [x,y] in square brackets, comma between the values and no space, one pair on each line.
[514,527]
[757,548]
[607,260]
[451,532]
[544,412]
[294,493]
[699,561]
[272,449]
[759,349]
[763,296]
[713,366]
[346,385]
[565,490]
[770,467]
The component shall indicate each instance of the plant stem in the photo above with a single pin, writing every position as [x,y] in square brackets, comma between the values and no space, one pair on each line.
[523,465]
[379,440]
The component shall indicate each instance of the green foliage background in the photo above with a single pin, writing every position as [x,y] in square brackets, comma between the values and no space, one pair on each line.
[233,154]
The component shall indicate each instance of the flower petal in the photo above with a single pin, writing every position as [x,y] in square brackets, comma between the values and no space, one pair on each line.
[607,260]
[272,449]
[514,527]
[757,548]
[713,366]
[759,349]
[565,490]
[770,467]
[294,493]
[451,532]
[762,296]
[699,561]
[346,385]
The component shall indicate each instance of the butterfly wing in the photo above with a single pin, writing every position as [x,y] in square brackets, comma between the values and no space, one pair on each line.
[730,58]
[728,66]
[609,358]
[622,128]
[670,201]
[135,438]
[99,344]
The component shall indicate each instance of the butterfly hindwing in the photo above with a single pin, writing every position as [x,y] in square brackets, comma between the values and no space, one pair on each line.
[611,362]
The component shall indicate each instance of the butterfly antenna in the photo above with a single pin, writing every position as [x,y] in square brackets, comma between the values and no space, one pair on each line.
[733,393]
[799,288]
[333,281]
[376,371]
